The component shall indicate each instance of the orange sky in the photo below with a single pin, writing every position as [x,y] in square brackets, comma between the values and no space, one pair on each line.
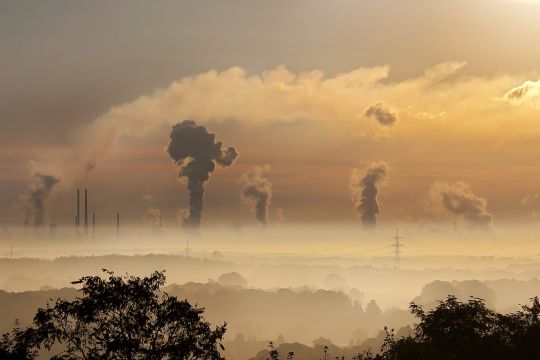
[466,104]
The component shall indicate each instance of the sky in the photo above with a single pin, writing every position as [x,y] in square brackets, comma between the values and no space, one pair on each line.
[434,103]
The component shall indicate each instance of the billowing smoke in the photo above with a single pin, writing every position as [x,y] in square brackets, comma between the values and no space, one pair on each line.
[253,99]
[196,151]
[34,200]
[531,202]
[257,192]
[152,216]
[459,199]
[382,114]
[147,197]
[279,216]
[364,185]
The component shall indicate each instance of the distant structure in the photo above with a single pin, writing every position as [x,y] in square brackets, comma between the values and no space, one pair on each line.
[93,224]
[78,216]
[397,245]
[85,212]
[117,225]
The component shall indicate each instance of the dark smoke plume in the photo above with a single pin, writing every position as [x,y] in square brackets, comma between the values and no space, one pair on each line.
[34,200]
[459,199]
[257,191]
[382,114]
[364,186]
[196,151]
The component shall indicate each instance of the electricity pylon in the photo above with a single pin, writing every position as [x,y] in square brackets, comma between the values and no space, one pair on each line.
[397,245]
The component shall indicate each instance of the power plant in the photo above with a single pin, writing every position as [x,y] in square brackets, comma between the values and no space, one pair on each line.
[78,216]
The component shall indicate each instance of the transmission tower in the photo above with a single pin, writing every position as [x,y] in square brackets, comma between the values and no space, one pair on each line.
[397,245]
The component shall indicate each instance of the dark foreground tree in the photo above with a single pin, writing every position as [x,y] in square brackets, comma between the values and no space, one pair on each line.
[457,330]
[125,318]
[17,345]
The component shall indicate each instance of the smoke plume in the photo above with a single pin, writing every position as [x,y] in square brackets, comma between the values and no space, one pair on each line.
[531,202]
[34,200]
[279,216]
[382,114]
[257,192]
[459,199]
[364,185]
[152,216]
[148,197]
[196,152]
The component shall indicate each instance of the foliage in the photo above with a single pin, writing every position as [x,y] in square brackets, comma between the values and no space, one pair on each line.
[17,345]
[274,353]
[457,330]
[468,330]
[125,318]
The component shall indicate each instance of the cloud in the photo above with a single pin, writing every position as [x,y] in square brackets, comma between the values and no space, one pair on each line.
[382,114]
[274,96]
[196,152]
[527,91]
[257,192]
[459,199]
[364,185]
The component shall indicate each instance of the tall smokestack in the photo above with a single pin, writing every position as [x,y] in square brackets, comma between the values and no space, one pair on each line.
[78,222]
[86,211]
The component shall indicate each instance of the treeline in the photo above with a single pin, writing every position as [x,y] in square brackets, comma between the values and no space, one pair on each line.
[123,317]
[453,330]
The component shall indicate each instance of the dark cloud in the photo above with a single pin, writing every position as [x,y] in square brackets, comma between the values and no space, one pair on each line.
[257,191]
[459,199]
[196,151]
[382,114]
[34,200]
[364,185]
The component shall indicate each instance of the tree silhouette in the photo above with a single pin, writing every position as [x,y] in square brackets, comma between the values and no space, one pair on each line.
[124,318]
[468,330]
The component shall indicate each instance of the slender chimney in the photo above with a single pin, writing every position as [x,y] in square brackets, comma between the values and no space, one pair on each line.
[78,222]
[86,211]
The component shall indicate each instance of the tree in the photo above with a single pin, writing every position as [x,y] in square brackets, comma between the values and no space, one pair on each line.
[468,330]
[17,345]
[125,318]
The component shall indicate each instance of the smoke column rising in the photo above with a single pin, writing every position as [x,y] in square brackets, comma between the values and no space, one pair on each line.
[364,185]
[196,152]
[34,200]
[459,199]
[257,191]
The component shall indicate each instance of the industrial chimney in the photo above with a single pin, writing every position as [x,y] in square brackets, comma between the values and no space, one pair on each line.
[78,218]
[86,211]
